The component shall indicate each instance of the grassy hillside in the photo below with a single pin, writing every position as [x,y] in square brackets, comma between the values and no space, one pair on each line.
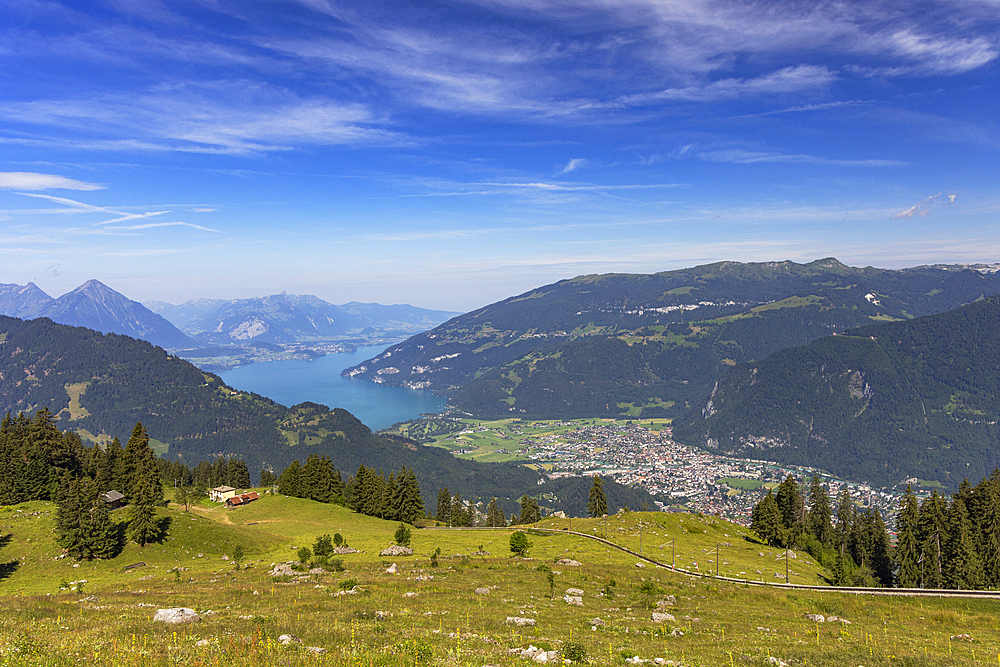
[427,615]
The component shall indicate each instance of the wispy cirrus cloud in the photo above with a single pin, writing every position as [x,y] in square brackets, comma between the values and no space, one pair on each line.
[234,117]
[923,207]
[735,156]
[24,180]
[573,165]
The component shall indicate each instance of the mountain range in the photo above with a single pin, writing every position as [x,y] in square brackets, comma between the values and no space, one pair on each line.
[96,306]
[203,328]
[622,345]
[283,319]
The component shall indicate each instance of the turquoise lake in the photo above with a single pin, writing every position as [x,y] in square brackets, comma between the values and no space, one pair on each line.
[319,381]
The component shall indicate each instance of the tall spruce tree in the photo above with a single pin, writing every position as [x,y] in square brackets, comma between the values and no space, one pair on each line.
[931,526]
[907,548]
[597,503]
[495,517]
[443,506]
[766,521]
[961,563]
[820,514]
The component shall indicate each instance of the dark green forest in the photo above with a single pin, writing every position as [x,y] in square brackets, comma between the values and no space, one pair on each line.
[885,402]
[939,544]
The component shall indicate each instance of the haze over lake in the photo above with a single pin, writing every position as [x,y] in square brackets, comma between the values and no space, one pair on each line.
[319,381]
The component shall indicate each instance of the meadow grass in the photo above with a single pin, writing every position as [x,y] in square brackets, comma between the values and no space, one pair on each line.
[432,615]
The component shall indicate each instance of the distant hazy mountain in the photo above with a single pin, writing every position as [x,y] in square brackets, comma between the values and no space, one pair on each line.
[96,306]
[289,318]
[24,301]
[649,345]
[918,398]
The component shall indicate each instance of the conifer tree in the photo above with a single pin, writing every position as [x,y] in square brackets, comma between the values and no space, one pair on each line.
[444,506]
[793,509]
[845,520]
[288,483]
[103,533]
[907,555]
[931,525]
[766,521]
[961,564]
[530,512]
[495,518]
[597,503]
[413,505]
[143,527]
[820,514]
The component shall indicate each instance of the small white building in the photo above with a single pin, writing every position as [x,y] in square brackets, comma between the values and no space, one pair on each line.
[220,493]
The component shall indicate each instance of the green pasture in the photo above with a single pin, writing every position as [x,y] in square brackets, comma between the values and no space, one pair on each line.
[427,614]
[498,440]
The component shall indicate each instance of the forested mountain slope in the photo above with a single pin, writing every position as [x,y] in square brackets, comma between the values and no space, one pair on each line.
[649,345]
[883,402]
[101,385]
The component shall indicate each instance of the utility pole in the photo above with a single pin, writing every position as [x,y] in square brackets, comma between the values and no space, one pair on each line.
[786,565]
[672,553]
[716,559]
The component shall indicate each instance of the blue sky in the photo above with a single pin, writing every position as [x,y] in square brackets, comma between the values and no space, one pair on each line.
[450,154]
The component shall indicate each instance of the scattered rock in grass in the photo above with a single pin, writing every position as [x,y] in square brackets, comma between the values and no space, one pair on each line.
[659,617]
[203,642]
[569,562]
[283,569]
[775,661]
[317,570]
[396,550]
[482,591]
[480,553]
[818,618]
[315,650]
[837,619]
[668,601]
[409,594]
[176,615]
[519,621]
[352,591]
[382,615]
[340,551]
[962,638]
[640,565]
[285,640]
[392,569]
[598,623]
[574,591]
[677,632]
[574,600]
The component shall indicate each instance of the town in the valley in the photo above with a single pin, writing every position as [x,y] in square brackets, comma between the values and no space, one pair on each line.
[643,453]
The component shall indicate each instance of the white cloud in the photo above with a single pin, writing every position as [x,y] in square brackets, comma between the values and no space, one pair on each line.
[921,208]
[734,156]
[573,165]
[23,180]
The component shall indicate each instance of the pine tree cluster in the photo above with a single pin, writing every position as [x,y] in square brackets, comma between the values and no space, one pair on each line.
[40,462]
[856,548]
[939,544]
[952,545]
[395,499]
